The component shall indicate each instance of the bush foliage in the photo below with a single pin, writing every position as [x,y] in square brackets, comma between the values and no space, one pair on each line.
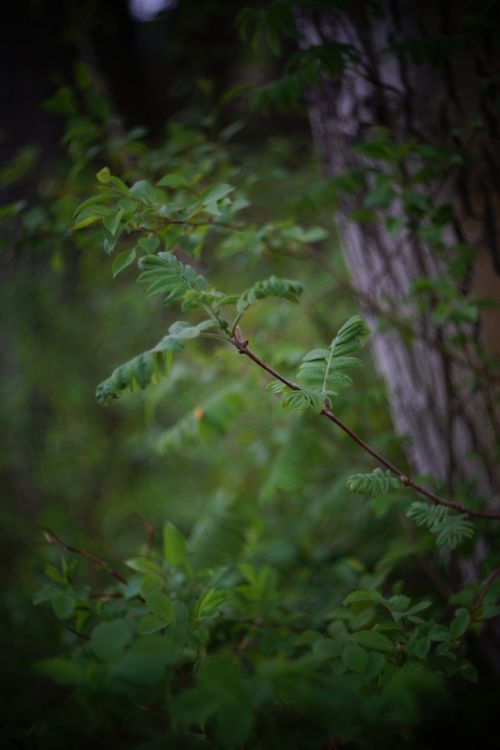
[281,586]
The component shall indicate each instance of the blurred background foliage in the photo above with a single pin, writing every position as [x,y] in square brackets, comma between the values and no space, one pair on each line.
[98,84]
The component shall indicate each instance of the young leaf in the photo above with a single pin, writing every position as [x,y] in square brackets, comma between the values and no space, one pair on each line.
[376,483]
[165,273]
[322,369]
[271,287]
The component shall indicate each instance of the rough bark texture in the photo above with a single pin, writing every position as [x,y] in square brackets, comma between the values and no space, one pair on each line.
[451,424]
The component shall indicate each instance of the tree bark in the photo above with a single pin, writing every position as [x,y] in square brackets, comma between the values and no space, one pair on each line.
[449,414]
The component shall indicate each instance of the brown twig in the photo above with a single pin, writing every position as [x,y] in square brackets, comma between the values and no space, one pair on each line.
[477,606]
[242,347]
[52,538]
[76,632]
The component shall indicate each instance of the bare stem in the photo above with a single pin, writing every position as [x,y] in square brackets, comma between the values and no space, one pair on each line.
[54,539]
[477,606]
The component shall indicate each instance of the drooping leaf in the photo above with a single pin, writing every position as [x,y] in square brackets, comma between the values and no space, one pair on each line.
[151,366]
[271,287]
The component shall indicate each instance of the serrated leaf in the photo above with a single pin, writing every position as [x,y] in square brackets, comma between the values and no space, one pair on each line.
[271,287]
[375,483]
[165,273]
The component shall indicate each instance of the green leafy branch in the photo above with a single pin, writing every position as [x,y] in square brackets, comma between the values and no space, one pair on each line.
[320,368]
[451,529]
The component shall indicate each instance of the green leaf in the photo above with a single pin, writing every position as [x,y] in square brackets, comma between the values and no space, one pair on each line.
[217,193]
[86,222]
[174,546]
[209,603]
[45,594]
[142,565]
[109,639]
[355,658]
[375,483]
[165,273]
[61,670]
[174,180]
[372,639]
[271,287]
[182,330]
[123,260]
[151,624]
[451,528]
[460,623]
[112,223]
[299,400]
[321,370]
[104,175]
[160,605]
[361,597]
[143,191]
[221,696]
[145,662]
[149,244]
[63,605]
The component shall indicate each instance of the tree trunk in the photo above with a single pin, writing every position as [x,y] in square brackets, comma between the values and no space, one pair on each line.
[440,396]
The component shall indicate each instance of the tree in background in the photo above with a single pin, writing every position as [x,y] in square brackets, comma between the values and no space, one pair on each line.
[406,108]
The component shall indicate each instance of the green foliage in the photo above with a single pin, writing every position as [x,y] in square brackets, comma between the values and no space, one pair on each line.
[150,366]
[165,273]
[272,287]
[272,608]
[451,528]
[323,369]
[376,483]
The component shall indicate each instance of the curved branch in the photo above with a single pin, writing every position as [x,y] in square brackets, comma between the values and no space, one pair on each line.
[242,348]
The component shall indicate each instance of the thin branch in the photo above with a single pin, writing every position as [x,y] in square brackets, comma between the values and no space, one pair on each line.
[477,606]
[242,347]
[77,632]
[54,539]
